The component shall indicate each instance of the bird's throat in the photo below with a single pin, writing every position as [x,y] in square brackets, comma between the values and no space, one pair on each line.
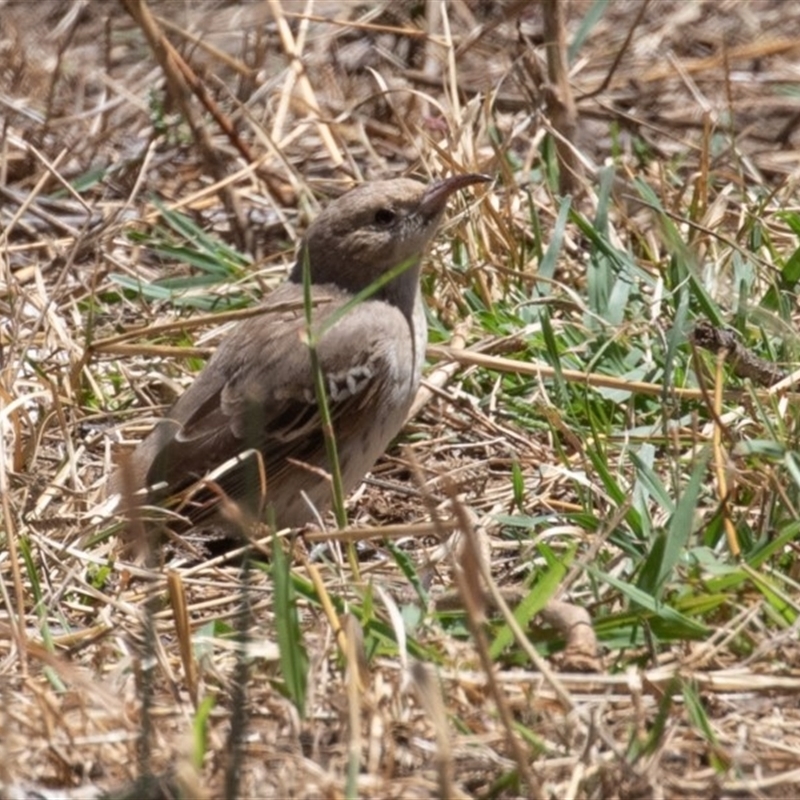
[402,291]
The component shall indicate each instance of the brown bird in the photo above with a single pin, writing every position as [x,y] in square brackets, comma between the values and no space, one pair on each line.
[257,393]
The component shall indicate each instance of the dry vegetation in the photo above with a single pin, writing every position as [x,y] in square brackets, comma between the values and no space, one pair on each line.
[599,457]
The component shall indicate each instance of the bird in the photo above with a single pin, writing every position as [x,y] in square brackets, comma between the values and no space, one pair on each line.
[254,408]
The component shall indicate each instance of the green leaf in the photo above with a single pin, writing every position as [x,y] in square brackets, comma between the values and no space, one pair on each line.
[200,730]
[589,20]
[697,714]
[294,658]
[678,625]
[535,600]
[668,547]
[547,266]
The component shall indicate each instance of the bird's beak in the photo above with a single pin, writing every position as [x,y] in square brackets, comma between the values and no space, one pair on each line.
[437,194]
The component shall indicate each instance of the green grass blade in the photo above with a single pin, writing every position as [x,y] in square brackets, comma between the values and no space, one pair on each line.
[293,656]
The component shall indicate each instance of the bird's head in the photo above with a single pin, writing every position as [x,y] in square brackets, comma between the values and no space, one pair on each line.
[374,228]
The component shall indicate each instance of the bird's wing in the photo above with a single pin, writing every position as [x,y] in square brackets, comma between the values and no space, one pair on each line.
[258,391]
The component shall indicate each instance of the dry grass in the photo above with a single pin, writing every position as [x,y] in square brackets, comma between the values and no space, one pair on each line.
[113,669]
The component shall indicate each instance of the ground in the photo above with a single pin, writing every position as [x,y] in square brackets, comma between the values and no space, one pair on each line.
[616,614]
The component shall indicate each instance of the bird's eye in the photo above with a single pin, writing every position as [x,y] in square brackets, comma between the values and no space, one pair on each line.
[385,216]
